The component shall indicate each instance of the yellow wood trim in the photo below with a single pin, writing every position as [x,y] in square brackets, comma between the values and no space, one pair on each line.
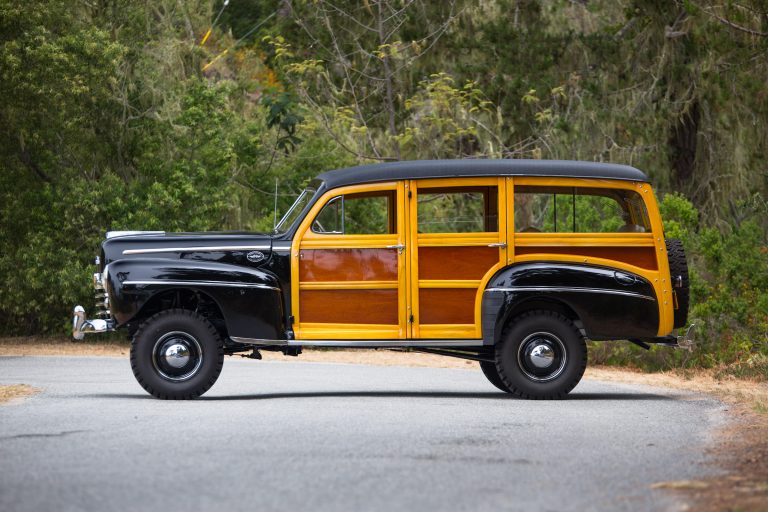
[315,240]
[413,260]
[348,285]
[409,256]
[456,239]
[480,181]
[579,182]
[348,241]
[584,239]
[445,283]
[510,221]
[448,331]
[663,286]
[329,331]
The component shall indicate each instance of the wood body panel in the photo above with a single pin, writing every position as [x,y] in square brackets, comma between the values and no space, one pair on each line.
[349,306]
[456,263]
[643,257]
[347,265]
[447,305]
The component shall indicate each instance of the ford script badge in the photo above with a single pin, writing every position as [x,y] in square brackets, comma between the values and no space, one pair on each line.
[255,256]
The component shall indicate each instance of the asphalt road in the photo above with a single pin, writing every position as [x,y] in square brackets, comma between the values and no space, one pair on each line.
[302,436]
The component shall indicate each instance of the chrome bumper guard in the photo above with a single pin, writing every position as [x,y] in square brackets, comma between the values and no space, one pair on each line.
[82,326]
[686,341]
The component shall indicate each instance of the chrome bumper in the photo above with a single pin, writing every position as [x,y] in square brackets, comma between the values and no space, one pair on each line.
[82,326]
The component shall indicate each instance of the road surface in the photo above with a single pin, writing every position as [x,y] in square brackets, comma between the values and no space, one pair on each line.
[315,436]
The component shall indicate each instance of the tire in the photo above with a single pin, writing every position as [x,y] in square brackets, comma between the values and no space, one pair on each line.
[490,372]
[176,355]
[678,266]
[541,356]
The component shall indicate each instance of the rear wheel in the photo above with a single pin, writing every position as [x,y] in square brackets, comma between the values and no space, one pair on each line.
[492,374]
[177,354]
[541,355]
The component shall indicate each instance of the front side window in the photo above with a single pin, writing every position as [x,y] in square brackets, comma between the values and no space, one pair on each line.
[369,213]
[458,210]
[579,210]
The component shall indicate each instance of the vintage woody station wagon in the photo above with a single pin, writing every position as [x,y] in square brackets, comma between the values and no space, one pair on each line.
[511,263]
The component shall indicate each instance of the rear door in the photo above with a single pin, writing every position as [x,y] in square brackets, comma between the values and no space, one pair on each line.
[456,242]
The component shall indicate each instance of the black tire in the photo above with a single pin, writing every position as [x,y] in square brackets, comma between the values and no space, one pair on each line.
[492,374]
[166,340]
[541,338]
[678,266]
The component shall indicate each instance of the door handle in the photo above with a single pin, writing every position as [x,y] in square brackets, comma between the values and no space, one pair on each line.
[399,248]
[500,245]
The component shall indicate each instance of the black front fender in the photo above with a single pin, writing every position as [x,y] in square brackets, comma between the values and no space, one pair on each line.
[250,300]
[609,303]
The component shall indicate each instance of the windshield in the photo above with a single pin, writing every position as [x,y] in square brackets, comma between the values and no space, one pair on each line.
[295,210]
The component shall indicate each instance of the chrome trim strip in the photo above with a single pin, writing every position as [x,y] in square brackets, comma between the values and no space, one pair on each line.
[361,343]
[282,247]
[201,283]
[221,248]
[114,234]
[569,289]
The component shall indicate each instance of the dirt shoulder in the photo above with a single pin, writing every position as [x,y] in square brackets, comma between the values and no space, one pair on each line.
[741,450]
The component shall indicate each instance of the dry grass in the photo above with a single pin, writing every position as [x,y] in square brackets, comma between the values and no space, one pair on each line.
[13,392]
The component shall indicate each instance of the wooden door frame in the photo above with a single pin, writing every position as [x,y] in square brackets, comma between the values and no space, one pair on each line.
[305,238]
[416,240]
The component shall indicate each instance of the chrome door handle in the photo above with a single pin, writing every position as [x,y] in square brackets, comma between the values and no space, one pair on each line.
[399,248]
[501,245]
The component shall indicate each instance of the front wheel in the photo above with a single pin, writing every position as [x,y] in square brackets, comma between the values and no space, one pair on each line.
[542,355]
[177,354]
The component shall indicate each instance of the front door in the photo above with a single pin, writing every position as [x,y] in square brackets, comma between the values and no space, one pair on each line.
[348,266]
[457,241]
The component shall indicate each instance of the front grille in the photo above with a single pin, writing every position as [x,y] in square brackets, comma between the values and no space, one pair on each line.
[102,296]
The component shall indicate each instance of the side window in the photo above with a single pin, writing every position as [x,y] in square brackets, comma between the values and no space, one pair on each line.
[369,213]
[579,210]
[458,210]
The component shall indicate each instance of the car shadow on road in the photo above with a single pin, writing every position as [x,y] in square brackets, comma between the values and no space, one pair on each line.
[491,395]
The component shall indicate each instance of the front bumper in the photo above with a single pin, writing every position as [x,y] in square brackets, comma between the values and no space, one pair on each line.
[82,326]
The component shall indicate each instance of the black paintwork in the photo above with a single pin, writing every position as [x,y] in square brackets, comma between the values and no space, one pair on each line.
[419,169]
[583,291]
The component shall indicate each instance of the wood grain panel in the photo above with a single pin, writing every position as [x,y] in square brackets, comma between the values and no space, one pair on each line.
[456,262]
[348,306]
[447,306]
[643,257]
[347,265]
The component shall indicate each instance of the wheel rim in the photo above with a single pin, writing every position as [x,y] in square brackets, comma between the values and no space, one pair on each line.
[177,356]
[542,356]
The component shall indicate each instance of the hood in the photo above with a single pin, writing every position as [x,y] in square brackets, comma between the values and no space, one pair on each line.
[210,246]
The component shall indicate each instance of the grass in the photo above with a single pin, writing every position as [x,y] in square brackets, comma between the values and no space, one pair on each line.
[13,391]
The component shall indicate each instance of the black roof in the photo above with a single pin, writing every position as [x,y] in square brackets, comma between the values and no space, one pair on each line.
[416,169]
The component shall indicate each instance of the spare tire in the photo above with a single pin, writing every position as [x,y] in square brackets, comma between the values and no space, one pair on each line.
[678,272]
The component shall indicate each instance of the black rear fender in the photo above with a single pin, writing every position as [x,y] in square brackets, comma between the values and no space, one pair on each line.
[604,303]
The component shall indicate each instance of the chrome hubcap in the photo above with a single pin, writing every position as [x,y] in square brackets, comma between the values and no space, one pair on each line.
[542,356]
[177,356]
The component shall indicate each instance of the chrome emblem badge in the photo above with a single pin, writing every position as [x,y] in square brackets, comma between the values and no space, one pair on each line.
[255,256]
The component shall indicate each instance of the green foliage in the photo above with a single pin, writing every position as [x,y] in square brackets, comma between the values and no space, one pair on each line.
[112,116]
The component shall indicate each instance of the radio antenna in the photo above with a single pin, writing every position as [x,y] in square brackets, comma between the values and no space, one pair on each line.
[274,224]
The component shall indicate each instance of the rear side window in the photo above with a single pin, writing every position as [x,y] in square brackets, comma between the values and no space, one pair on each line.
[579,210]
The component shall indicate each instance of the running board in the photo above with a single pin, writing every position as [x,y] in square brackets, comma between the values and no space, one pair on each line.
[359,343]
